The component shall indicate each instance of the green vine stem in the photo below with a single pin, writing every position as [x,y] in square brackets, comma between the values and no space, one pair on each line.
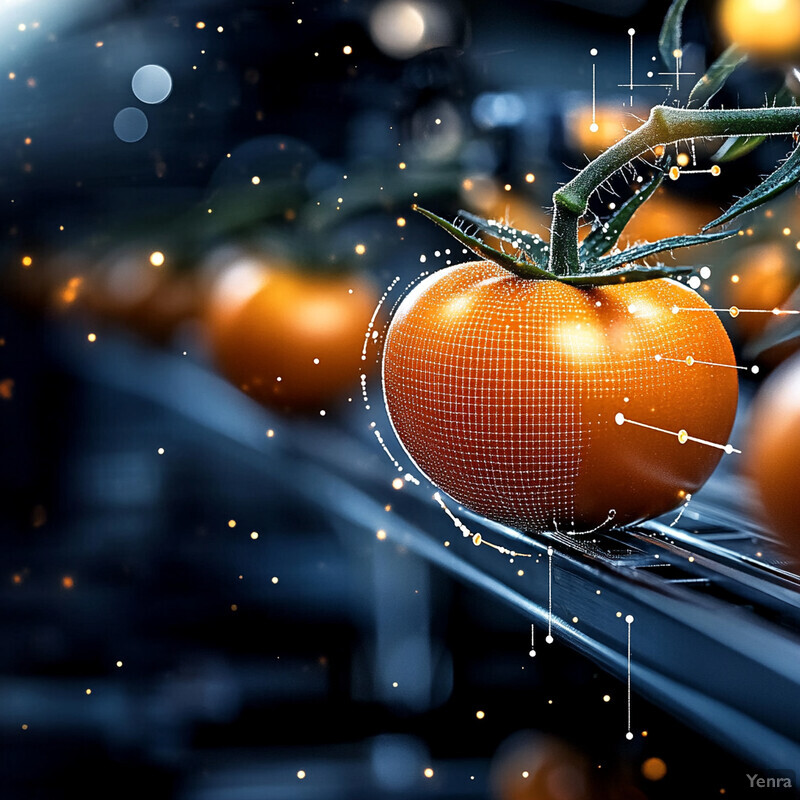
[664,126]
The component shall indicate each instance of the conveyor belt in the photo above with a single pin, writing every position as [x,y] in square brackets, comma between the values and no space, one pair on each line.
[716,633]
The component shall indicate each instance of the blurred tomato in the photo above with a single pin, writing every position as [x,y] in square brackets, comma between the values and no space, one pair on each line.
[759,276]
[772,453]
[288,338]
[533,766]
[136,288]
[667,214]
[484,196]
[764,28]
[592,135]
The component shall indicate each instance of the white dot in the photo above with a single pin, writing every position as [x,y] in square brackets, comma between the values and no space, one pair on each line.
[619,418]
[532,653]
[658,356]
[649,74]
[629,736]
[705,273]
[548,639]
[161,451]
[130,124]
[151,84]
[754,369]
[629,619]
[694,282]
[631,31]
[728,448]
[594,127]
[593,51]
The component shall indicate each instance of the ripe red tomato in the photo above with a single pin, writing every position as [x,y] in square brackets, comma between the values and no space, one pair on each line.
[518,397]
[772,450]
[288,338]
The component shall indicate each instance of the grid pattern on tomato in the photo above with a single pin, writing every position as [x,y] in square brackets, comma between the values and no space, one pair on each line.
[506,393]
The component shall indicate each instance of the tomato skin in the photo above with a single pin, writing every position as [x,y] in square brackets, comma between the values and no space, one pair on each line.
[772,452]
[284,320]
[505,392]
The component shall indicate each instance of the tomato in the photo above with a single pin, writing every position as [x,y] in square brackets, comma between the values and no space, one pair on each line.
[530,765]
[762,276]
[765,28]
[666,214]
[484,196]
[288,338]
[593,133]
[136,289]
[772,452]
[512,394]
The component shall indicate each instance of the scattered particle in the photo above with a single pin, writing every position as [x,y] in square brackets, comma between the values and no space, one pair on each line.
[397,483]
[157,258]
[119,663]
[255,180]
[200,25]
[68,582]
[254,535]
[402,165]
[24,726]
[275,579]
[381,534]
[88,691]
[360,249]
[301,773]
[347,50]
[7,388]
[231,523]
[606,698]
[27,261]
[160,451]
[92,337]
[401,222]
[480,714]
[270,433]
[428,773]
[654,769]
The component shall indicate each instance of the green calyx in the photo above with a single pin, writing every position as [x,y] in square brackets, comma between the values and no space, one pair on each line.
[529,258]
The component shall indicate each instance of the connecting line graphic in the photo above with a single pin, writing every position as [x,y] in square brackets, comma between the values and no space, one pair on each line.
[629,621]
[676,172]
[691,360]
[477,539]
[734,311]
[681,435]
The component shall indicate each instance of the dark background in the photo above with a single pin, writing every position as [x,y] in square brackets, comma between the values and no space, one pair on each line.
[231,683]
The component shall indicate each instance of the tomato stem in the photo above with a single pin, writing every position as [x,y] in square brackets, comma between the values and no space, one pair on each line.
[664,126]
